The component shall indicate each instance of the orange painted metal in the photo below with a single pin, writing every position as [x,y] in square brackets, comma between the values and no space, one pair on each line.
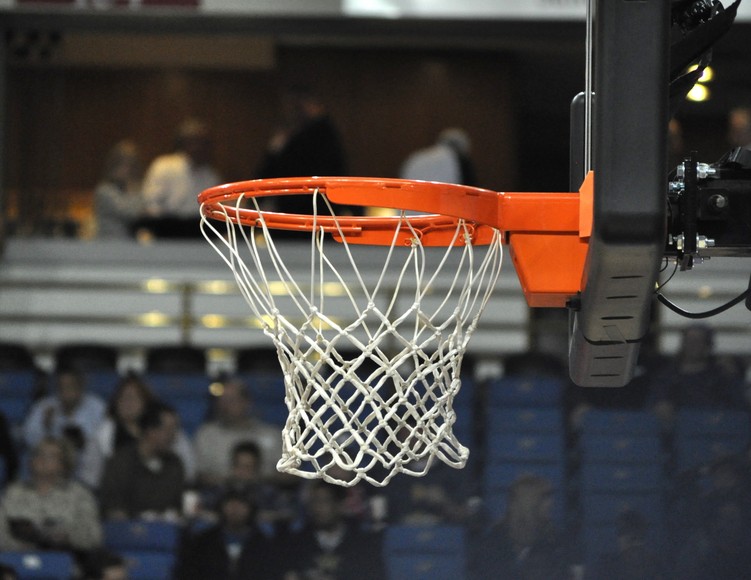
[547,233]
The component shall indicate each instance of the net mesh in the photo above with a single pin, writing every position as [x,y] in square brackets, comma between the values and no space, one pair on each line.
[371,364]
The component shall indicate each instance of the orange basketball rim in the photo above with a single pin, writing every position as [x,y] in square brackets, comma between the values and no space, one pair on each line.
[547,233]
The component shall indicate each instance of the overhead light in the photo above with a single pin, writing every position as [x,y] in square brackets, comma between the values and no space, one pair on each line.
[698,93]
[707,74]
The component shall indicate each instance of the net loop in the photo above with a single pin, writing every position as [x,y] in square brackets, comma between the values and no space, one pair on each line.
[371,360]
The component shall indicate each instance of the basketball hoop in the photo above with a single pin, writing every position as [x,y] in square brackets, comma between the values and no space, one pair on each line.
[370,382]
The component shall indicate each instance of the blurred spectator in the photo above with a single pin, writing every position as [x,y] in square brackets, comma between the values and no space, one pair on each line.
[8,451]
[173,181]
[633,559]
[525,544]
[233,549]
[232,423]
[308,143]
[50,511]
[145,479]
[331,547]
[120,428]
[447,160]
[697,378]
[739,127]
[441,496]
[721,548]
[104,565]
[277,504]
[70,412]
[117,198]
[7,573]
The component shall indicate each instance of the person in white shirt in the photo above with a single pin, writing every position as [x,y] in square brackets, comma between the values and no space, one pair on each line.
[233,423]
[447,160]
[173,181]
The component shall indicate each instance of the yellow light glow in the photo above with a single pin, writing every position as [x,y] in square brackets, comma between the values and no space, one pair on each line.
[705,292]
[216,389]
[334,289]
[278,288]
[153,319]
[707,76]
[214,321]
[698,93]
[218,287]
[156,286]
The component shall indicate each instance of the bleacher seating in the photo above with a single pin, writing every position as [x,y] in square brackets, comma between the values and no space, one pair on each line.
[524,433]
[148,564]
[139,535]
[425,552]
[702,436]
[47,565]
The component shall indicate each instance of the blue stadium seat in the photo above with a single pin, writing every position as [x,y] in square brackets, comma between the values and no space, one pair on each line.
[427,539]
[693,452]
[501,474]
[425,552]
[524,420]
[620,421]
[620,448]
[712,423]
[264,385]
[701,436]
[425,567]
[192,412]
[617,477]
[140,535]
[275,412]
[599,539]
[601,508]
[172,387]
[102,382]
[529,447]
[525,391]
[15,409]
[20,384]
[148,565]
[40,565]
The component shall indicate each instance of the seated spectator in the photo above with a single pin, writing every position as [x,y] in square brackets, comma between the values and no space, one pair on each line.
[120,428]
[330,546]
[50,511]
[441,496]
[525,544]
[633,559]
[174,180]
[232,423]
[233,549]
[117,197]
[277,504]
[697,378]
[721,548]
[104,565]
[145,479]
[70,412]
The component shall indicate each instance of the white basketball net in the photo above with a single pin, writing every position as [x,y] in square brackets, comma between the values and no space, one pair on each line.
[370,377]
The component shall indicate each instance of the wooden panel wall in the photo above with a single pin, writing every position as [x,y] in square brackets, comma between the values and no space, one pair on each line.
[63,119]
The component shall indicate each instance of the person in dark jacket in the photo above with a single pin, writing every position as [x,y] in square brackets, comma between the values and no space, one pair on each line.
[232,549]
[331,547]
